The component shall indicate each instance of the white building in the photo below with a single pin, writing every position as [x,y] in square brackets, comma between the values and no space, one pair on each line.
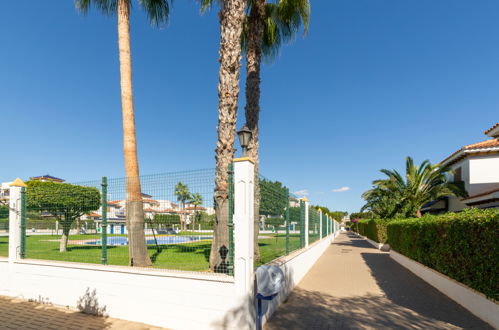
[4,192]
[477,167]
[116,213]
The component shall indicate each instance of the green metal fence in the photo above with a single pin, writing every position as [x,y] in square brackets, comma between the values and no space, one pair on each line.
[99,221]
[87,221]
[280,221]
[314,223]
[324,226]
[4,228]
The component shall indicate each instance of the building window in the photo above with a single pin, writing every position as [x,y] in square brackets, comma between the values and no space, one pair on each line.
[458,175]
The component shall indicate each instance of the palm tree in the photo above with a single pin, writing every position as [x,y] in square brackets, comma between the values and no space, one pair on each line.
[267,27]
[158,12]
[231,18]
[196,200]
[396,196]
[183,195]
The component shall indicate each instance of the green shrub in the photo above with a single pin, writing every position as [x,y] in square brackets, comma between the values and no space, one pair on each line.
[166,219]
[374,229]
[4,212]
[463,246]
[361,227]
[4,224]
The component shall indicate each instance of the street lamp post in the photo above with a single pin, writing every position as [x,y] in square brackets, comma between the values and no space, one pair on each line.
[244,135]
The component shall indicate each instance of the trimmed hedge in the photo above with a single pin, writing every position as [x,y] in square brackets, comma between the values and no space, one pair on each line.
[463,246]
[374,229]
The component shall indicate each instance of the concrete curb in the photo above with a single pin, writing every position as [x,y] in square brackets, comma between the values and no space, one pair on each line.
[380,246]
[477,303]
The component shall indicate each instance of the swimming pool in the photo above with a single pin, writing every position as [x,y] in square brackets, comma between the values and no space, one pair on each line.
[122,240]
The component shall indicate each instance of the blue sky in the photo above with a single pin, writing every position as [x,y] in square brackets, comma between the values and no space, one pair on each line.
[373,82]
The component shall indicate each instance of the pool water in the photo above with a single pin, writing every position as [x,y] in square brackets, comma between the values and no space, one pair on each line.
[121,240]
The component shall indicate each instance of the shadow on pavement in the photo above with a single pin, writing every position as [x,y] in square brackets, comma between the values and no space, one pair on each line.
[316,310]
[407,303]
[403,288]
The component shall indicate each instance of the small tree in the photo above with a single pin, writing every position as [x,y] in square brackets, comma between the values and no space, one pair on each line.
[273,198]
[196,200]
[183,195]
[206,220]
[66,202]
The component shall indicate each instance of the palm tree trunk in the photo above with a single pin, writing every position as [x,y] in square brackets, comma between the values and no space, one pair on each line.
[137,247]
[231,24]
[184,220]
[252,109]
[194,219]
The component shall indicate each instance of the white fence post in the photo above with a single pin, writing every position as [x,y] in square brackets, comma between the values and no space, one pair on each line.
[15,220]
[306,221]
[320,224]
[244,236]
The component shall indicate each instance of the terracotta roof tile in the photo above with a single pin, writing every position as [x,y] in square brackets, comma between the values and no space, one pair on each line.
[483,144]
[479,145]
[169,211]
[490,129]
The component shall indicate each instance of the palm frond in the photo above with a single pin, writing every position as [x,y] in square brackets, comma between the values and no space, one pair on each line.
[157,11]
[108,7]
[206,5]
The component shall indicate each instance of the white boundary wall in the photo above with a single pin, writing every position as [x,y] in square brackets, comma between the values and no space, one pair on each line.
[172,299]
[169,299]
[470,299]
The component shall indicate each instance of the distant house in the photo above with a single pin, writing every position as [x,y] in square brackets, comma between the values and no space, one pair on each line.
[116,213]
[476,166]
[4,192]
[46,178]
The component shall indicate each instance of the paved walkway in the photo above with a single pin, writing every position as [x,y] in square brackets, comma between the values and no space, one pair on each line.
[355,286]
[21,314]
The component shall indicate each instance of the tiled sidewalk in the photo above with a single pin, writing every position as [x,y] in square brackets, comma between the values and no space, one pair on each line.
[21,314]
[355,286]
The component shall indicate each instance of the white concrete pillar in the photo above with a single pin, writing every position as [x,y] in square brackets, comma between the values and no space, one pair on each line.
[243,225]
[244,275]
[306,221]
[15,220]
[320,224]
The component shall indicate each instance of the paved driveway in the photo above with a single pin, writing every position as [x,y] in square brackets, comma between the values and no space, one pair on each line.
[21,314]
[355,286]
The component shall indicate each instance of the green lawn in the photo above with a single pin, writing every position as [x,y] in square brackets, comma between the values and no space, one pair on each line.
[4,246]
[186,256]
